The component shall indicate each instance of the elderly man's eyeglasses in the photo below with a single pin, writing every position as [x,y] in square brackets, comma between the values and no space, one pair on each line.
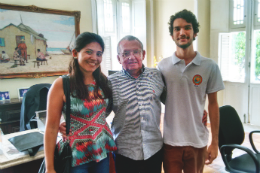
[136,52]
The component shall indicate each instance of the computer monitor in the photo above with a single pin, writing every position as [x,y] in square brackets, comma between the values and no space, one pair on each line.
[41,119]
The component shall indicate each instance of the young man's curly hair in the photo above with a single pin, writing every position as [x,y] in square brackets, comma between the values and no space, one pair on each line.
[186,15]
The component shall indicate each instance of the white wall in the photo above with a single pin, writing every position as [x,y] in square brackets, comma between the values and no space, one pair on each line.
[163,9]
[84,6]
[203,38]
[164,45]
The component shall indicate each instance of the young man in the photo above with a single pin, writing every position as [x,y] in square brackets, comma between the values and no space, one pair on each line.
[189,78]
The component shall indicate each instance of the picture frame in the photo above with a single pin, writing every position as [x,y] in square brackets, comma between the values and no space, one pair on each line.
[21,92]
[4,96]
[37,41]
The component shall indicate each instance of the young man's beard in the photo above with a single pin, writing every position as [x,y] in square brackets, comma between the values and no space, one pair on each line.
[184,46]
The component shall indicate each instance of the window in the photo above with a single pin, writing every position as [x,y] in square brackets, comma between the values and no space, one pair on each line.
[2,42]
[257,9]
[114,19]
[232,48]
[255,61]
[106,62]
[237,13]
[108,16]
[126,17]
[239,55]
[232,56]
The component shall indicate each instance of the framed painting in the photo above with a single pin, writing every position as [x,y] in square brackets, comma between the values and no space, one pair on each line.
[36,42]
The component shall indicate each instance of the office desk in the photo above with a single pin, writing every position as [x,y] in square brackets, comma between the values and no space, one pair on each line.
[22,163]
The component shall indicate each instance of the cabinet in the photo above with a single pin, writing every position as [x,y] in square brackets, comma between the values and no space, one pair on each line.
[10,115]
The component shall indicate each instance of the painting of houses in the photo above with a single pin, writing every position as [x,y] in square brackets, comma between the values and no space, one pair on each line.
[11,35]
[36,42]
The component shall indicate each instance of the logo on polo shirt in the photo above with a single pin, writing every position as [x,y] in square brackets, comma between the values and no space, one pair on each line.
[197,79]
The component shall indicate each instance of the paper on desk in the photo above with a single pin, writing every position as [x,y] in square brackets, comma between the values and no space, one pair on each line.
[10,151]
[1,136]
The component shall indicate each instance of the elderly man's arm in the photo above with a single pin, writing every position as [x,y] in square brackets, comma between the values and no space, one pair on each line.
[109,106]
[164,93]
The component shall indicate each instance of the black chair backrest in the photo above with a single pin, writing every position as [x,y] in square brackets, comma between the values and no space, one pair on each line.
[111,72]
[35,99]
[43,99]
[231,129]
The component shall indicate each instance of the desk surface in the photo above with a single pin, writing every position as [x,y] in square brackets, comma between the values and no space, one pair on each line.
[6,162]
[11,101]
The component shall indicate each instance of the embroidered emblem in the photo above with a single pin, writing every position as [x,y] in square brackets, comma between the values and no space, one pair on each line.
[197,79]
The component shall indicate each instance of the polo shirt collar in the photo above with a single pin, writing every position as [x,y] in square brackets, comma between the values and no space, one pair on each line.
[196,60]
[175,59]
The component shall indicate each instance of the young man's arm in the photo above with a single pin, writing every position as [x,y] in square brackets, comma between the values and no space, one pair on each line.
[214,123]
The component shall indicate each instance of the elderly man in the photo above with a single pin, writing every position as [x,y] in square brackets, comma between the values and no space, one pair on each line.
[137,107]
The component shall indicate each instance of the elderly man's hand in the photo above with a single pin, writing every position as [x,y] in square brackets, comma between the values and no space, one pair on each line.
[62,130]
[204,118]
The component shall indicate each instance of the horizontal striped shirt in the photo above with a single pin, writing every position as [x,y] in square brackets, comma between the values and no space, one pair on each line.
[137,108]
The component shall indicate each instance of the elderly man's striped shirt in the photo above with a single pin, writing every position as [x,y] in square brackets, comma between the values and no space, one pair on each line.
[137,108]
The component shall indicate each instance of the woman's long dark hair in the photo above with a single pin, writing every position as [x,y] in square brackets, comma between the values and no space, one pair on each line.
[76,76]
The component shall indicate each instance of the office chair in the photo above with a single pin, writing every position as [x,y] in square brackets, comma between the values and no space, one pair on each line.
[35,99]
[111,72]
[231,136]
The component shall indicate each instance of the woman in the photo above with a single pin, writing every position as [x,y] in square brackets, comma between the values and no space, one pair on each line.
[90,137]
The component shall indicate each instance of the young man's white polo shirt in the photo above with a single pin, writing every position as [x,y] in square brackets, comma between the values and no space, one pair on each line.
[187,87]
